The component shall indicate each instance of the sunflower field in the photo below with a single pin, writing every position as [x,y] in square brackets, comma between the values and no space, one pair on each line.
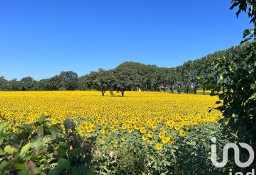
[81,132]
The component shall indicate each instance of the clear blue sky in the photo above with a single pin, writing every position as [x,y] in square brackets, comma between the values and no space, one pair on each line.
[40,38]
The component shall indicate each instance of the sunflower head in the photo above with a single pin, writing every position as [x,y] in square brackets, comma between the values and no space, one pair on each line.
[159,146]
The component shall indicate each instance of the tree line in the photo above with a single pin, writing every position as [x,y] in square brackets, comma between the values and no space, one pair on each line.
[187,78]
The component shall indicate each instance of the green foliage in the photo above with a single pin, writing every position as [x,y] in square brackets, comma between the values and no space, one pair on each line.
[3,83]
[249,7]
[68,80]
[236,88]
[43,148]
[235,83]
[126,79]
[27,83]
[187,78]
[102,80]
[187,155]
[193,153]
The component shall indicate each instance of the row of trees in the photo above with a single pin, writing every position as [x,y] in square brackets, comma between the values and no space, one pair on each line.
[187,78]
[64,81]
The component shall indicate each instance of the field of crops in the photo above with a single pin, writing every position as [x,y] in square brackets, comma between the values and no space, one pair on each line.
[136,110]
[155,120]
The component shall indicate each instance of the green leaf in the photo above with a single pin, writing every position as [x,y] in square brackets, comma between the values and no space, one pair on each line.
[41,119]
[61,152]
[10,150]
[253,96]
[75,170]
[3,165]
[36,145]
[63,145]
[24,150]
[37,171]
[75,152]
[55,129]
[19,166]
[4,125]
[253,86]
[234,5]
[69,124]
[251,10]
[221,77]
[41,131]
[23,172]
[2,152]
[246,32]
[79,170]
[63,164]
[1,140]
[224,121]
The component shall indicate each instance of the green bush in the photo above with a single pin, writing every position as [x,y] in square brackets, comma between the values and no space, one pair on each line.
[46,148]
[43,148]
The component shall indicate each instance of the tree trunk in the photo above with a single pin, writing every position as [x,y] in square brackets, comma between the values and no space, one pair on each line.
[204,89]
[179,88]
[111,93]
[122,93]
[195,90]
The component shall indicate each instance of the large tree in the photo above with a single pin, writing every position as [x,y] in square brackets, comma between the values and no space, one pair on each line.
[68,80]
[3,83]
[14,85]
[54,83]
[101,80]
[83,82]
[186,75]
[27,83]
[126,79]
[41,84]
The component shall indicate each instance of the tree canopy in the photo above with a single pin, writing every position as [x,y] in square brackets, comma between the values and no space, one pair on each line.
[186,78]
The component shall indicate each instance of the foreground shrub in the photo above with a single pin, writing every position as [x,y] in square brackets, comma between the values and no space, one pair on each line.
[43,148]
[46,148]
